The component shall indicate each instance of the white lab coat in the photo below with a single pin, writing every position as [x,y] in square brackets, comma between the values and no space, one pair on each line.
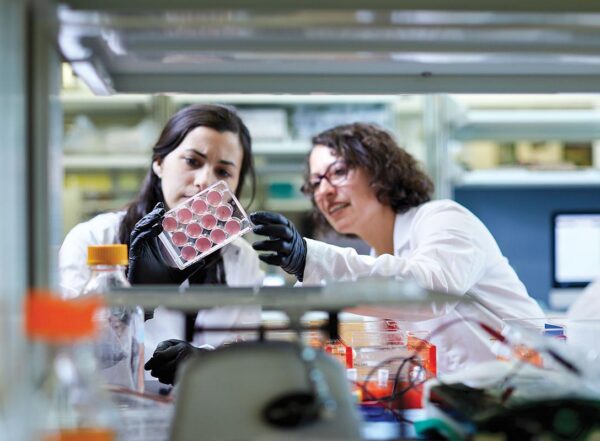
[583,319]
[445,248]
[241,269]
[587,305]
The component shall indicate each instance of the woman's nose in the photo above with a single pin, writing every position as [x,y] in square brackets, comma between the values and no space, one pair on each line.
[324,189]
[203,178]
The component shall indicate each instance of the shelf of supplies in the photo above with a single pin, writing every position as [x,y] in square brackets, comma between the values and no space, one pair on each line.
[515,124]
[279,204]
[283,147]
[295,169]
[107,160]
[402,103]
[84,103]
[100,206]
[528,178]
[527,101]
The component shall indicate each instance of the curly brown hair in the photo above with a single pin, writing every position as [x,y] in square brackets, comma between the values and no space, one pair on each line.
[396,176]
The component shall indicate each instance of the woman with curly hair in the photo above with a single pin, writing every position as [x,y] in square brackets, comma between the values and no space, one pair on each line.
[362,183]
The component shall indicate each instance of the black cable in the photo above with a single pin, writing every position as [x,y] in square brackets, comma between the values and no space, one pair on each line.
[413,383]
[413,359]
[386,401]
[504,384]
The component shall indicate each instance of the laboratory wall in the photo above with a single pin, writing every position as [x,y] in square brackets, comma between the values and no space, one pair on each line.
[520,220]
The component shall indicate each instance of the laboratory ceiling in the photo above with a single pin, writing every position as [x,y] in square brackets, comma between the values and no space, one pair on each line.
[332,46]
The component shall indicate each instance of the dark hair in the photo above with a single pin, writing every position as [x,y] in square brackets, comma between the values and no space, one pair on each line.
[217,117]
[396,177]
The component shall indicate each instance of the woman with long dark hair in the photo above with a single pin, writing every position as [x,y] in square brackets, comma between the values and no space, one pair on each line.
[199,145]
[362,183]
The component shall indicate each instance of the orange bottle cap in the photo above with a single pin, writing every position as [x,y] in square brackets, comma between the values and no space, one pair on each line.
[53,319]
[114,254]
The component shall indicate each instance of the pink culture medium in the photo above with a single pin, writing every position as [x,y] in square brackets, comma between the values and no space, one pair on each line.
[232,227]
[203,244]
[202,223]
[193,230]
[214,198]
[223,212]
[188,252]
[199,206]
[169,223]
[184,215]
[179,238]
[208,221]
[217,235]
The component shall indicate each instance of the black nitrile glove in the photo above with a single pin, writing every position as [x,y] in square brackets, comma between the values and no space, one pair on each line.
[146,263]
[166,358]
[288,246]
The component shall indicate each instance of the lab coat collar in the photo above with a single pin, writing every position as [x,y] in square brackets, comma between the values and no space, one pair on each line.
[401,230]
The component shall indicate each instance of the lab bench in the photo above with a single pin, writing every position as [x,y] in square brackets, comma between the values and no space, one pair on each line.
[148,418]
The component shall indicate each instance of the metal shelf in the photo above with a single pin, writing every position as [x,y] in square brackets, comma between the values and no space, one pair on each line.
[332,47]
[528,178]
[366,291]
[539,124]
[284,147]
[85,103]
[403,104]
[106,161]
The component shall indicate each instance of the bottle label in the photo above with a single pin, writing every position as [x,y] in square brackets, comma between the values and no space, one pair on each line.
[119,347]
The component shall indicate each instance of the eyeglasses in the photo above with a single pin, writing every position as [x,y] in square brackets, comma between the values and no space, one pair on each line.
[336,174]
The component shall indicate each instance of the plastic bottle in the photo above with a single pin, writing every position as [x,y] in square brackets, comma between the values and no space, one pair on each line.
[120,345]
[68,402]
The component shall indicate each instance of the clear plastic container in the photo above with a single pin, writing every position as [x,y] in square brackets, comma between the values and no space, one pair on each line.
[120,345]
[69,403]
[418,343]
[203,224]
[359,324]
[379,350]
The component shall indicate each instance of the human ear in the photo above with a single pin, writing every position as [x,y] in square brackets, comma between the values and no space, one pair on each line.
[157,168]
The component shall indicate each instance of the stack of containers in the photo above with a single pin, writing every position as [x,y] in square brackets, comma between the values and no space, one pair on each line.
[387,358]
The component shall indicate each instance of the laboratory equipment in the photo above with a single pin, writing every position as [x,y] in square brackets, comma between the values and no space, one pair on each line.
[262,390]
[373,350]
[391,364]
[418,343]
[520,401]
[69,403]
[240,381]
[120,345]
[203,224]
